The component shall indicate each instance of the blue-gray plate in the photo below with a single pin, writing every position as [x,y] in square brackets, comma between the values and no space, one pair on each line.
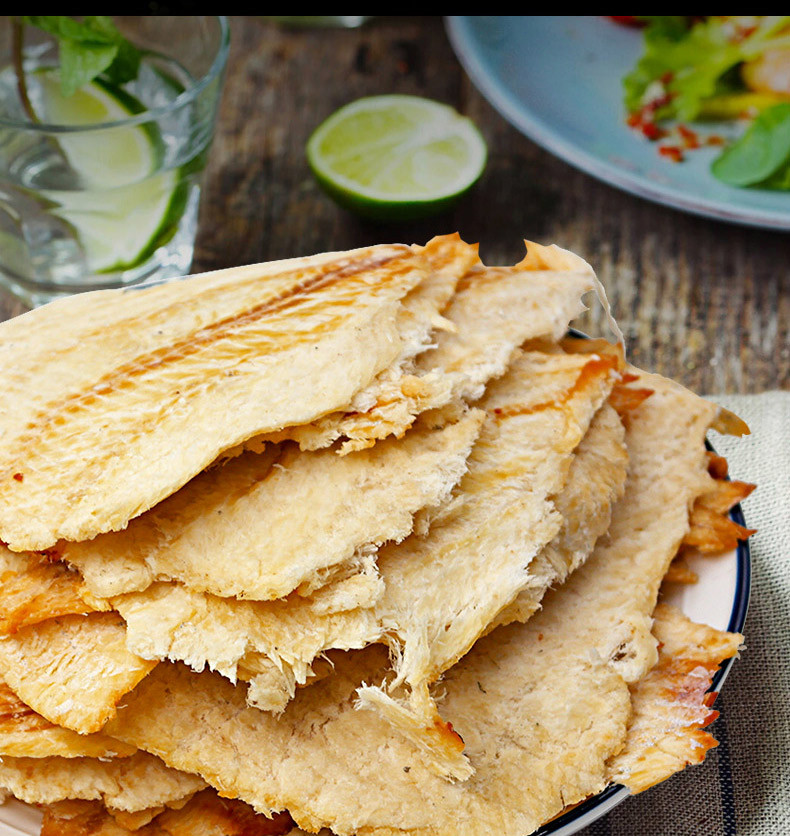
[559,81]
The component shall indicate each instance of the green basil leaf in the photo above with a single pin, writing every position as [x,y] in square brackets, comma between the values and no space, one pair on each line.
[761,152]
[778,181]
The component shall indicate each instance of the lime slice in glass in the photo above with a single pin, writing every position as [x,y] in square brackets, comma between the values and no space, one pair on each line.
[123,207]
[396,157]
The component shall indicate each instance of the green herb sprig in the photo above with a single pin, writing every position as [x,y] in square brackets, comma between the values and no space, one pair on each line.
[88,47]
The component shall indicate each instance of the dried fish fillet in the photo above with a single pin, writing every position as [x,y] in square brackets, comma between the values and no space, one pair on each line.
[443,590]
[72,670]
[257,530]
[494,311]
[170,621]
[178,373]
[433,606]
[671,705]
[25,734]
[595,482]
[130,784]
[655,536]
[541,706]
[448,259]
[206,814]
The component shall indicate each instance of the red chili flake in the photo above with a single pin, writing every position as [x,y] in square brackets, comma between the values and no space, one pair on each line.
[652,131]
[672,152]
[690,138]
[667,77]
[20,477]
[714,139]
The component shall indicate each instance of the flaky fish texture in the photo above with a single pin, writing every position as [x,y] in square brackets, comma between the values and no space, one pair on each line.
[72,670]
[380,409]
[26,734]
[595,482]
[130,784]
[170,621]
[431,605]
[205,814]
[35,589]
[443,590]
[494,311]
[259,526]
[176,374]
[671,705]
[542,707]
[655,535]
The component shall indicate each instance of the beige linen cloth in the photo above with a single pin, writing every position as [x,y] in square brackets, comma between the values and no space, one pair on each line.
[743,788]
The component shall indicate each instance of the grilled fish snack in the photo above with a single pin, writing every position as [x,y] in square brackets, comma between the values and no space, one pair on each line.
[359,544]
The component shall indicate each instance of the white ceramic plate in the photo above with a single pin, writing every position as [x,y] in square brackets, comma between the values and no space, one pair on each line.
[720,599]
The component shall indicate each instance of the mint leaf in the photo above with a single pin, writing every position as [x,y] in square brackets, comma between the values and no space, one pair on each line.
[761,153]
[80,63]
[61,26]
[88,48]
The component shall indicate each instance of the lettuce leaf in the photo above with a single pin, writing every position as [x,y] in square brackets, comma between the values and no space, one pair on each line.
[695,62]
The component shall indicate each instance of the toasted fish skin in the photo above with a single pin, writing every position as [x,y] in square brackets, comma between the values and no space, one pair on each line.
[26,734]
[258,345]
[671,704]
[72,670]
[130,784]
[257,531]
[333,766]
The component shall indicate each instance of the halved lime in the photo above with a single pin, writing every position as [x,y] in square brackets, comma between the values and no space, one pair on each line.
[123,206]
[396,157]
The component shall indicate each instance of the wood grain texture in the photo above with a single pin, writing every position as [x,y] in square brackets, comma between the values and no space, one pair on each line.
[702,301]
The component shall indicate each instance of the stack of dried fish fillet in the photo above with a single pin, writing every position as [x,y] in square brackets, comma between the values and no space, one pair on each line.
[358,542]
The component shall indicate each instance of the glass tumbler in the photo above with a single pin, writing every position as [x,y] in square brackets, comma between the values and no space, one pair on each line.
[101,188]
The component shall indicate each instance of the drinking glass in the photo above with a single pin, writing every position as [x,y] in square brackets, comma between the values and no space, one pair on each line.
[103,189]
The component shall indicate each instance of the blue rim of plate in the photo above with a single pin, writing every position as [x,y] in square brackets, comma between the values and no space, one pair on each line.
[545,136]
[599,805]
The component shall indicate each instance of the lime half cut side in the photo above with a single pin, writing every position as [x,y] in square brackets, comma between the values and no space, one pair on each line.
[396,157]
[123,206]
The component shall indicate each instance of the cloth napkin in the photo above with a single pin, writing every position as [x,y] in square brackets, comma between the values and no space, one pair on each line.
[743,787]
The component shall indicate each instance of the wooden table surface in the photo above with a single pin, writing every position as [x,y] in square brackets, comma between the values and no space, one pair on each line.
[705,302]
